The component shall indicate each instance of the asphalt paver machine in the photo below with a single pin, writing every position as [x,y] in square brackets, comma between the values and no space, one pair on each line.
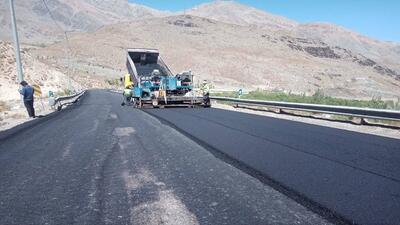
[153,84]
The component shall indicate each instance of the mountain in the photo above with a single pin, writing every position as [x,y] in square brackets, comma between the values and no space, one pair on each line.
[387,53]
[35,24]
[236,13]
[231,56]
[232,12]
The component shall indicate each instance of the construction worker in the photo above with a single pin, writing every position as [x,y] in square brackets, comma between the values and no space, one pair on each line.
[27,92]
[127,95]
[205,87]
[127,81]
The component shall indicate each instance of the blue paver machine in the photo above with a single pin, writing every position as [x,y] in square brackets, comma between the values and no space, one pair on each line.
[155,85]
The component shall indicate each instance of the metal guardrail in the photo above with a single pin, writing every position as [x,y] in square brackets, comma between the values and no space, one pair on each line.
[327,109]
[59,102]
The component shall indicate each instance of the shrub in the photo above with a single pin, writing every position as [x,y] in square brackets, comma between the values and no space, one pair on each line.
[317,98]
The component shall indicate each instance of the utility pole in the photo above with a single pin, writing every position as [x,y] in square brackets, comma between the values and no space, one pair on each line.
[69,61]
[16,42]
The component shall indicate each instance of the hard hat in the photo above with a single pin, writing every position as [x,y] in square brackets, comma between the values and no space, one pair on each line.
[156,72]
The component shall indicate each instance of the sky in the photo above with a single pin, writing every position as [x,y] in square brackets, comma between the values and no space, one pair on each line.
[379,19]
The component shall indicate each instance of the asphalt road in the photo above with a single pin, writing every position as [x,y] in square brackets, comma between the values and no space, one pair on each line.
[99,163]
[354,176]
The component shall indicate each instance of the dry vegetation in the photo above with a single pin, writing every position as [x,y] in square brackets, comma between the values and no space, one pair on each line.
[317,98]
[4,107]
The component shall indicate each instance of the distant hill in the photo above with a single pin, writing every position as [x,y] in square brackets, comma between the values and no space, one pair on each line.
[36,26]
[236,13]
[240,14]
[387,53]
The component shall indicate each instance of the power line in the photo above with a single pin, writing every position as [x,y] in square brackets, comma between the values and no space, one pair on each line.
[51,16]
[67,45]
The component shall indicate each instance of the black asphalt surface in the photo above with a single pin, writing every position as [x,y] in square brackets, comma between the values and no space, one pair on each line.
[356,176]
[320,108]
[99,163]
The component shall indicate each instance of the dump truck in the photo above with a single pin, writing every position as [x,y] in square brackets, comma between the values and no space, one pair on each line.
[153,83]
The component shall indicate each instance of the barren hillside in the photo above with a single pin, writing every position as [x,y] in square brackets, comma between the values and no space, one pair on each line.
[232,12]
[387,53]
[236,13]
[234,56]
[35,73]
[36,26]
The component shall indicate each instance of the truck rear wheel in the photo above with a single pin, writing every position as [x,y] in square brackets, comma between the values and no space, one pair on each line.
[155,104]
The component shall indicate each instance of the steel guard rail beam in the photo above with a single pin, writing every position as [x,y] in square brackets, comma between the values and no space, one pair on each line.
[328,109]
[59,100]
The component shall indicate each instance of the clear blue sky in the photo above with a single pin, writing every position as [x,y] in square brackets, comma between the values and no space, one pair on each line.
[378,19]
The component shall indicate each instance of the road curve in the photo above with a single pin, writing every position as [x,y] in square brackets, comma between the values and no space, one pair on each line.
[355,176]
[99,163]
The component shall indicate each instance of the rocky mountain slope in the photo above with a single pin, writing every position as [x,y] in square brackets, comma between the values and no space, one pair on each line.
[35,73]
[387,53]
[36,26]
[232,12]
[236,13]
[235,56]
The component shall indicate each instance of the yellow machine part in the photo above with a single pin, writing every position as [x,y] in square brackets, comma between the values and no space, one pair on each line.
[128,81]
[162,93]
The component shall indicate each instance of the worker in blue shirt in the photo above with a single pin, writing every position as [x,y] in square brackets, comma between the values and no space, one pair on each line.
[27,92]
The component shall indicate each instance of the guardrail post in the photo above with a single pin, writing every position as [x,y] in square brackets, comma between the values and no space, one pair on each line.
[59,106]
[363,121]
[359,121]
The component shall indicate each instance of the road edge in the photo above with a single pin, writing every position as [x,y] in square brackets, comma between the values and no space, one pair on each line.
[6,134]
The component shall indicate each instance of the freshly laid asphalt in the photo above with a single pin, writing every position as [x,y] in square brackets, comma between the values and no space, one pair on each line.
[355,177]
[97,162]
